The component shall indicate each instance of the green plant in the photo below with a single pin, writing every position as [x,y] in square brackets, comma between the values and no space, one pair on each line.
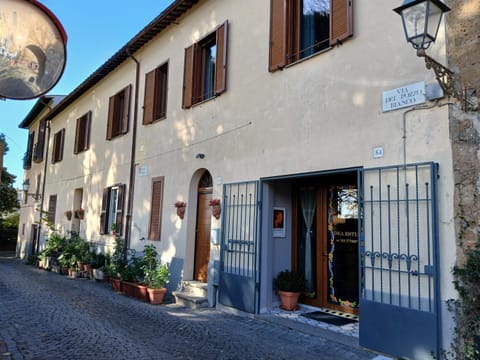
[160,277]
[466,345]
[117,259]
[55,245]
[291,281]
[97,260]
[149,262]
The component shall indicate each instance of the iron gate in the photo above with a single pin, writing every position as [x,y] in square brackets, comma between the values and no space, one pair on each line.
[239,247]
[399,301]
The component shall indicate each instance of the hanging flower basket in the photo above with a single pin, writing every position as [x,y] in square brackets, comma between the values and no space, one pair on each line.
[68,214]
[180,206]
[216,208]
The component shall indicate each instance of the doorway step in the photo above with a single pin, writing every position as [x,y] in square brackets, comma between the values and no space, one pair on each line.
[193,294]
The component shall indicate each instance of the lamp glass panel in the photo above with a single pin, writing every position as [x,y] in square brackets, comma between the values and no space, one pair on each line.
[414,22]
[434,18]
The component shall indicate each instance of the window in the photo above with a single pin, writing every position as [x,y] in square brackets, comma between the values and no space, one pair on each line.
[155,103]
[156,209]
[52,207]
[205,72]
[82,133]
[300,28]
[111,217]
[58,140]
[118,113]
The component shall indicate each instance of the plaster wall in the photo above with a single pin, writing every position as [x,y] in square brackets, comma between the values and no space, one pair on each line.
[322,113]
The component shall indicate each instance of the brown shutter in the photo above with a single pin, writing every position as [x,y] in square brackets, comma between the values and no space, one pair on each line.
[341,20]
[120,205]
[41,140]
[88,124]
[156,209]
[103,213]
[126,109]
[162,88]
[149,99]
[78,135]
[221,60]
[278,34]
[111,113]
[52,207]
[188,78]
[62,142]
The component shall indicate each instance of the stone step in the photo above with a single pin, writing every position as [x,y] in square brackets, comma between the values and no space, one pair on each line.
[195,288]
[190,301]
[192,295]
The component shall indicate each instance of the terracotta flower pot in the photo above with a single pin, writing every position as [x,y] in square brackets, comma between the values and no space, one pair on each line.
[216,211]
[288,300]
[181,212]
[156,295]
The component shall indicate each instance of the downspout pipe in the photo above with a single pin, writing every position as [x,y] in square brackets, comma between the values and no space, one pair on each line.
[131,190]
[42,193]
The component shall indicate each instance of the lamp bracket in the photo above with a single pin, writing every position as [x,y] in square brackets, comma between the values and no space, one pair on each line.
[444,76]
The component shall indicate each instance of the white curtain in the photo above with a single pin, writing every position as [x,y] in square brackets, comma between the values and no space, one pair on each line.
[307,202]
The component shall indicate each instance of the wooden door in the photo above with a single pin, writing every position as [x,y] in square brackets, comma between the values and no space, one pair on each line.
[202,241]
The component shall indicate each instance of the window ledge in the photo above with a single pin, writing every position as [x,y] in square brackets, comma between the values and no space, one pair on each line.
[309,57]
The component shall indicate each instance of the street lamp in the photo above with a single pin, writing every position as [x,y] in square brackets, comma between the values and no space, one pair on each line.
[26,187]
[421,20]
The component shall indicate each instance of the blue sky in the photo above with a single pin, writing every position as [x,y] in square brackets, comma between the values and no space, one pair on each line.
[95,31]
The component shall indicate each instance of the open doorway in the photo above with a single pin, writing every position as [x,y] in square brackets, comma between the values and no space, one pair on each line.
[325,240]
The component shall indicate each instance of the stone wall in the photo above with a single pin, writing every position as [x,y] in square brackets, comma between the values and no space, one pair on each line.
[463,50]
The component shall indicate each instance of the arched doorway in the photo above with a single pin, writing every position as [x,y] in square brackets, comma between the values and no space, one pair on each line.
[202,230]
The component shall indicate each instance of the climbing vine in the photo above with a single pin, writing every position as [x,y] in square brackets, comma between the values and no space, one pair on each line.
[466,344]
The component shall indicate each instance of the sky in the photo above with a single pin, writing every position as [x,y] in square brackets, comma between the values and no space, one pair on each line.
[95,30]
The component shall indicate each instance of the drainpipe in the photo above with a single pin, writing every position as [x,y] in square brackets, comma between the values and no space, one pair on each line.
[131,189]
[42,194]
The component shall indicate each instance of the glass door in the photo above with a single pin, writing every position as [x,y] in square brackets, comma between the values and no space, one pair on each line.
[326,242]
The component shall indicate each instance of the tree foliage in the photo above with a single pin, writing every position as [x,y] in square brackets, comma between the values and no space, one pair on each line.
[8,194]
[4,143]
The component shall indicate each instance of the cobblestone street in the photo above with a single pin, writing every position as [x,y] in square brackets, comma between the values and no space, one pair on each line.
[47,316]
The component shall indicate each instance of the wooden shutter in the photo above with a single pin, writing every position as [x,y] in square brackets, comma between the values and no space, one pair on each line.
[58,141]
[188,78]
[221,59]
[278,34]
[40,140]
[126,109]
[149,99]
[78,129]
[103,213]
[88,125]
[156,209]
[341,20]
[111,114]
[120,206]
[52,207]
[161,93]
[62,142]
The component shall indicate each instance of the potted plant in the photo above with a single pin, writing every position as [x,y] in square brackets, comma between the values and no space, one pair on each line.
[289,285]
[156,283]
[180,206]
[68,214]
[113,227]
